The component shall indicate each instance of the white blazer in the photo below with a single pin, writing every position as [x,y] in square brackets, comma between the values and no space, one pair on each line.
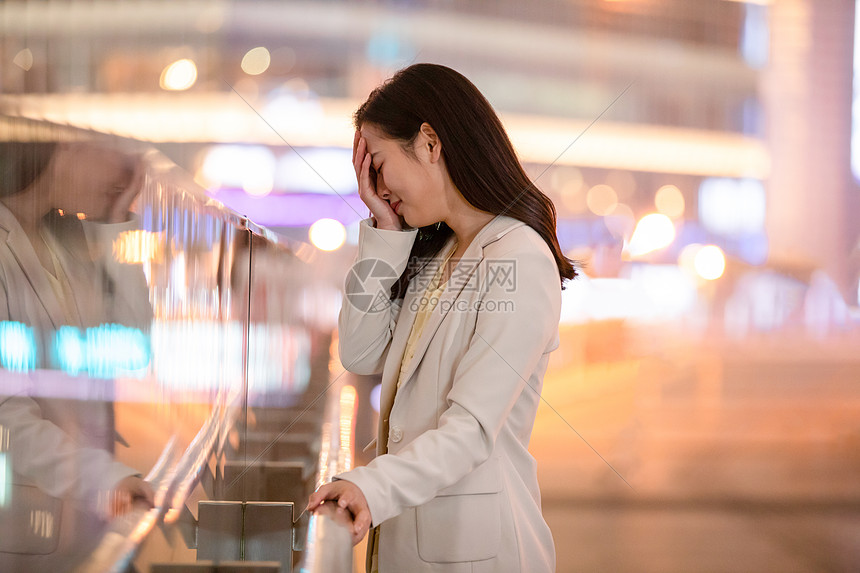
[457,490]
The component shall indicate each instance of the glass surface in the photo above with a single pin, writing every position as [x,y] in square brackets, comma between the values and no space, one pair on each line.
[129,347]
[75,324]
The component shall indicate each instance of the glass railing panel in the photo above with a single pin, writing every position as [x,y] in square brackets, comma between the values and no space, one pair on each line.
[287,372]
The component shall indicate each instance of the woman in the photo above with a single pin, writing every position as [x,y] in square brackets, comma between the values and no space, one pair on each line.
[462,338]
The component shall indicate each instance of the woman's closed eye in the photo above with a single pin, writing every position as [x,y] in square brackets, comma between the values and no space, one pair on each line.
[376,174]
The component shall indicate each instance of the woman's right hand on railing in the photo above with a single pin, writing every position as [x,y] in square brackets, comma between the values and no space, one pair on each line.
[130,493]
[348,497]
[378,204]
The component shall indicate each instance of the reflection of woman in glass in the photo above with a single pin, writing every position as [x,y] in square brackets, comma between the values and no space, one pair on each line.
[61,204]
[453,487]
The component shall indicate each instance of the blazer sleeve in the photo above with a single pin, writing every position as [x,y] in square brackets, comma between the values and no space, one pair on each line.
[502,355]
[44,454]
[367,315]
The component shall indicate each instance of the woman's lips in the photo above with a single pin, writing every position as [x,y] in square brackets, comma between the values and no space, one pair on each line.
[396,206]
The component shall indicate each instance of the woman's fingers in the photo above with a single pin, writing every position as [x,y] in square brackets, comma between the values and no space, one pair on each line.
[347,498]
[362,162]
[352,499]
[364,183]
[127,492]
[325,492]
[331,491]
[340,491]
[316,498]
[367,190]
[144,491]
[361,522]
[358,157]
[355,141]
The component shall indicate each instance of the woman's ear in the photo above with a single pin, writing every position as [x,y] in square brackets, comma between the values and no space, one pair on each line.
[430,142]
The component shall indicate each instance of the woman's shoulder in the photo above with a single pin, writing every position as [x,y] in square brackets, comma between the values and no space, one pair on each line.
[523,256]
[518,240]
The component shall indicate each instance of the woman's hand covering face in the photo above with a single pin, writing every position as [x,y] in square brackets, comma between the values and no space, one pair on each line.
[379,207]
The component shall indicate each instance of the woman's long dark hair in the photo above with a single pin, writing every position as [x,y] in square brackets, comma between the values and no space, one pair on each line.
[479,156]
[21,163]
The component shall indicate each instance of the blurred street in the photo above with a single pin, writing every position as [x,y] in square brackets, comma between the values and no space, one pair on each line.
[739,457]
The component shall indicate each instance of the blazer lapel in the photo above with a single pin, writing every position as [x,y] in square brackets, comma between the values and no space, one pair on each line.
[28,261]
[460,277]
[400,337]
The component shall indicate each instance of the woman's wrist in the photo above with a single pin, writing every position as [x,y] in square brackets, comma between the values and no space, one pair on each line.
[384,226]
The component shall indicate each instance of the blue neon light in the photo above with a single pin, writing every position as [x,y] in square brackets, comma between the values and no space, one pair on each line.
[18,350]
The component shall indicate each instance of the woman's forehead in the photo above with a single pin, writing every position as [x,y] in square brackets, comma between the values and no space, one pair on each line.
[109,163]
[379,142]
[371,133]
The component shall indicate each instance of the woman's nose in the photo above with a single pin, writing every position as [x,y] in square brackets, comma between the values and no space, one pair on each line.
[382,189]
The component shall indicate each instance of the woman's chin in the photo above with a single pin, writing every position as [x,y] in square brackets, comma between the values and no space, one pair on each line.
[406,223]
[418,224]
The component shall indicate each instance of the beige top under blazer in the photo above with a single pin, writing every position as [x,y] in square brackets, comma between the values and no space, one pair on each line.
[457,489]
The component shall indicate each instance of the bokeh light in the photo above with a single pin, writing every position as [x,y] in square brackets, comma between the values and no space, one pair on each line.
[327,234]
[178,76]
[601,199]
[653,232]
[256,61]
[138,246]
[70,350]
[670,201]
[18,350]
[710,262]
[258,183]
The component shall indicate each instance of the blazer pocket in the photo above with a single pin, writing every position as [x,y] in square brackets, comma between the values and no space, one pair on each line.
[30,523]
[463,522]
[455,528]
